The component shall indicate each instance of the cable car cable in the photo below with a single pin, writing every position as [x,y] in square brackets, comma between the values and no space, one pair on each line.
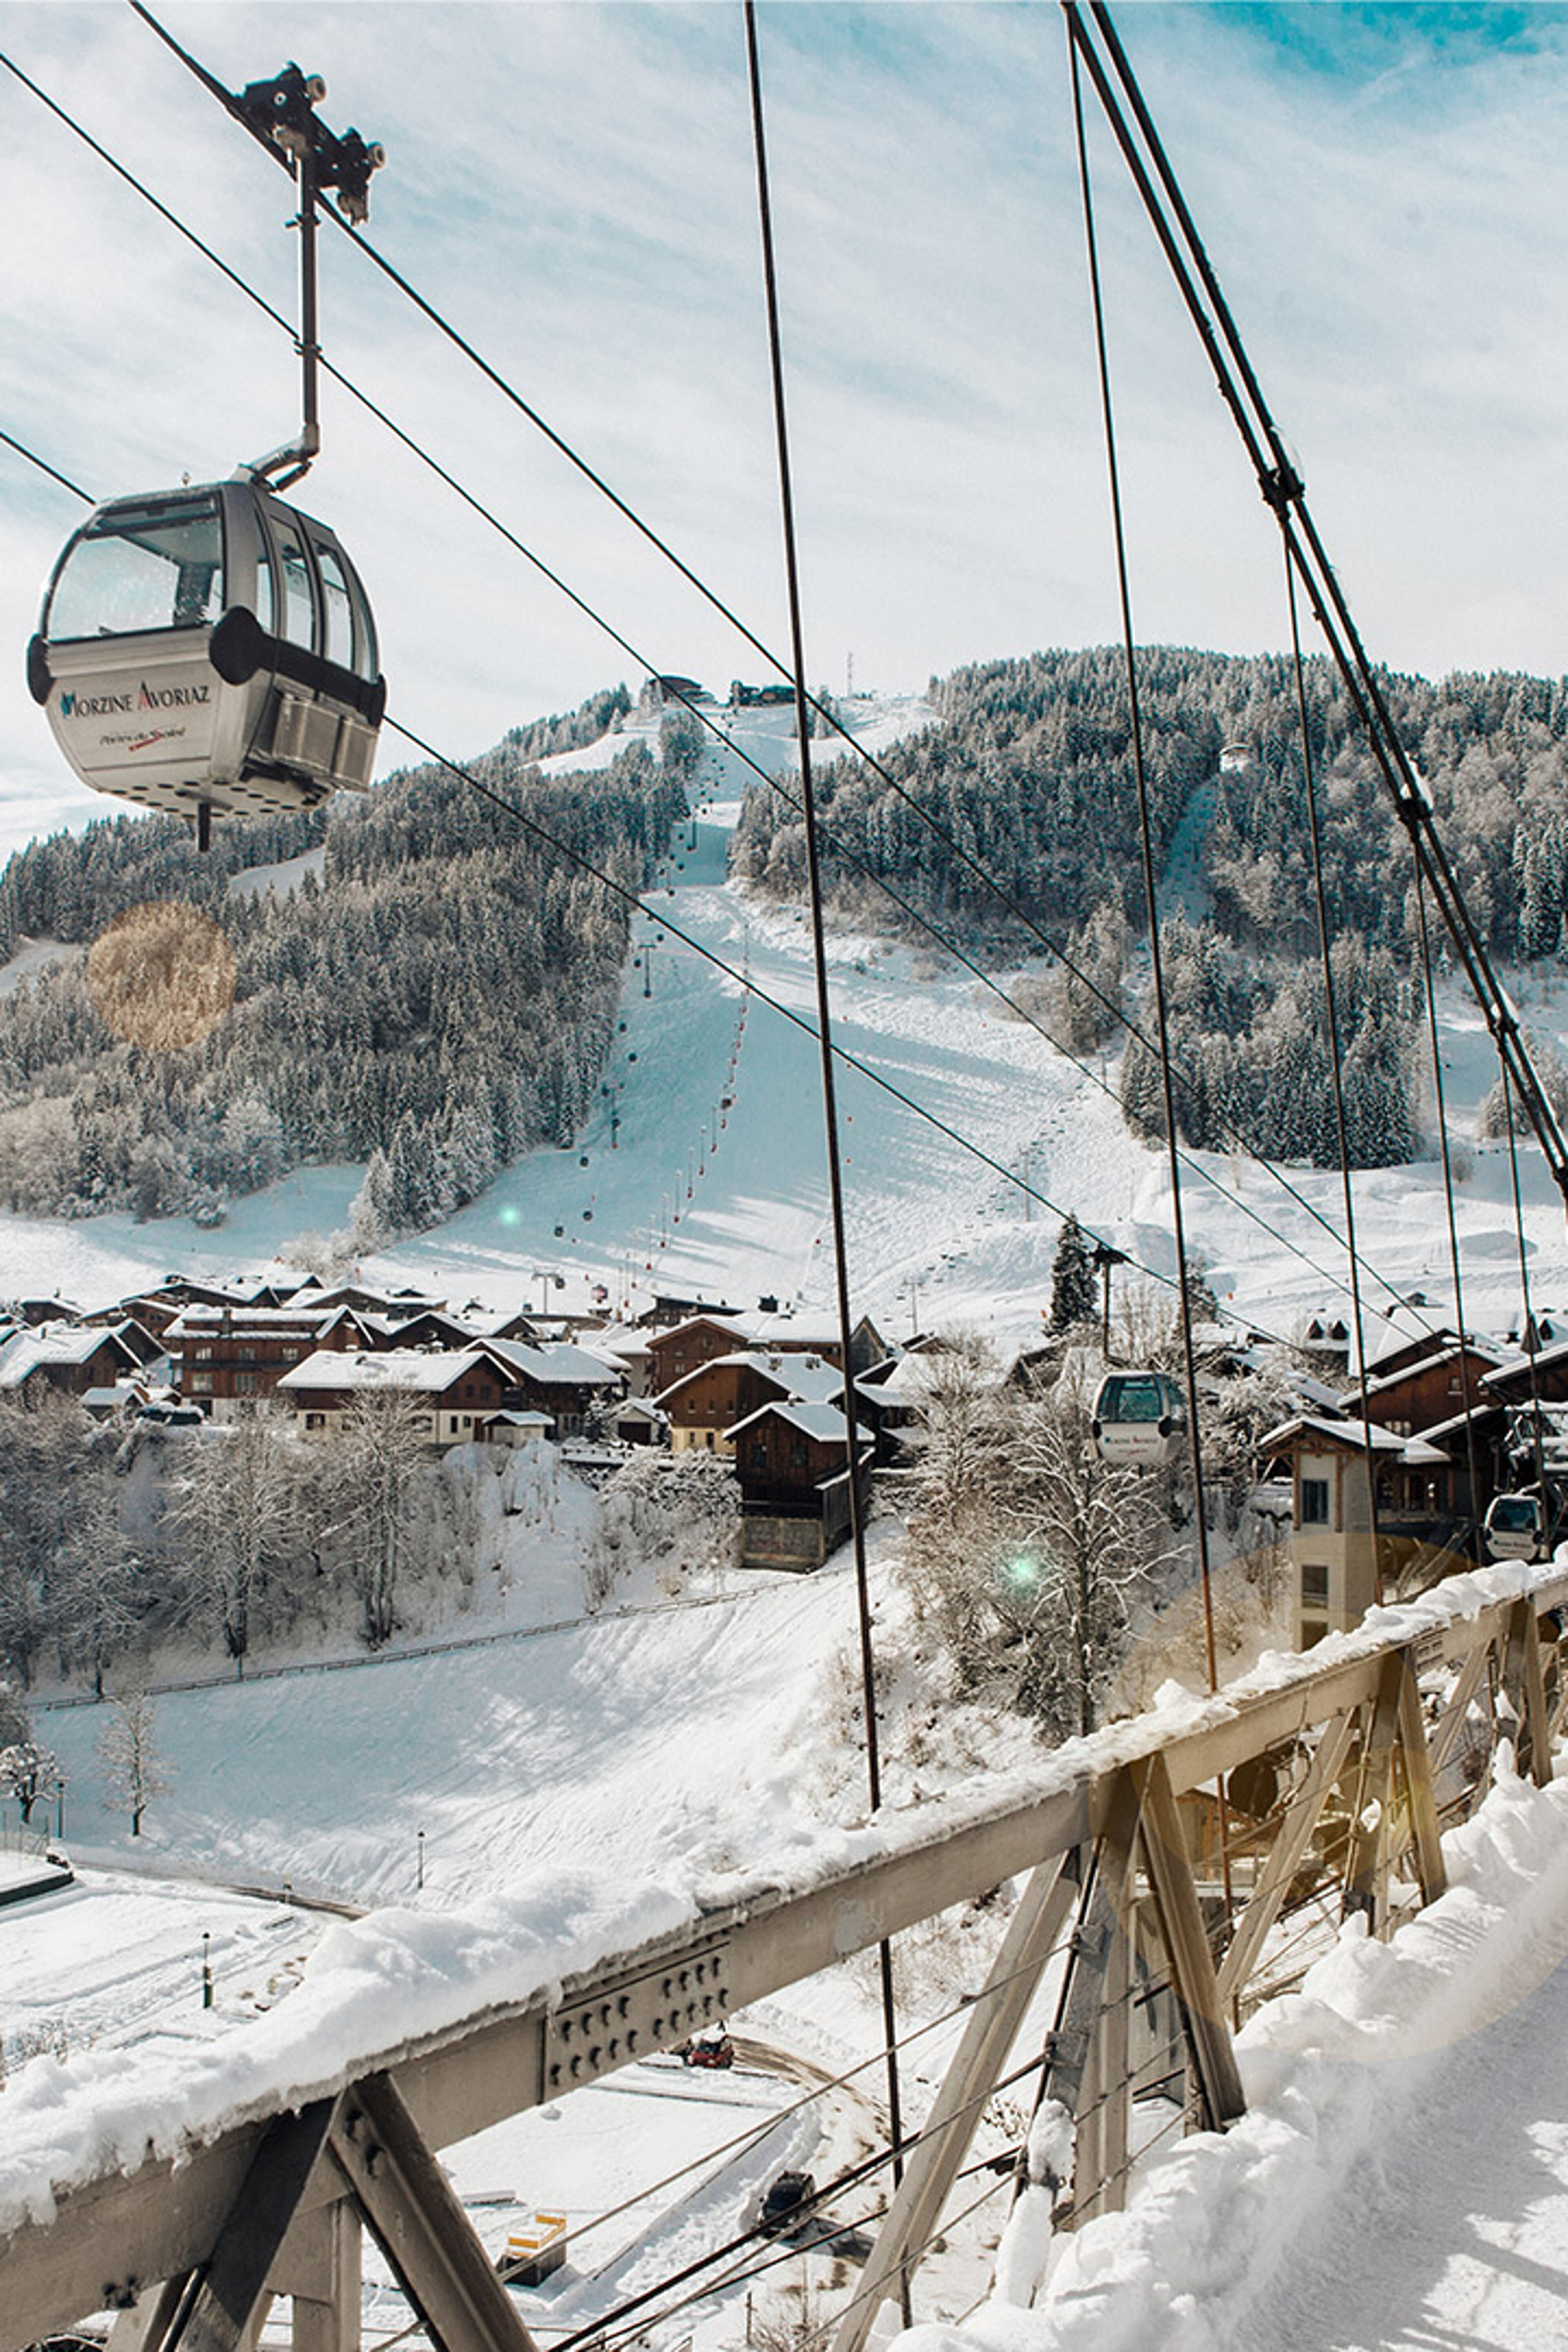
[1336,1062]
[1437,1090]
[1284,491]
[1527,1331]
[856,1496]
[1146,845]
[923,815]
[53,472]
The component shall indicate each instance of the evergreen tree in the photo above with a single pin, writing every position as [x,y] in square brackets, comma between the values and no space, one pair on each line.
[1074,1299]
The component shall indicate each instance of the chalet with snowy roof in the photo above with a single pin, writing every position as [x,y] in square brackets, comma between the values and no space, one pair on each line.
[400,1305]
[704,1408]
[791,1463]
[635,1422]
[1426,1388]
[33,1314]
[226,1358]
[668,1310]
[68,1358]
[430,1326]
[454,1394]
[1419,1534]
[559,1379]
[146,1340]
[1519,1382]
[696,1341]
[786,1337]
[1326,1339]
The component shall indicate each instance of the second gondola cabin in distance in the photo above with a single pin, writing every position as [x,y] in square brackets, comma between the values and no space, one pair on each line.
[1139,1419]
[209,650]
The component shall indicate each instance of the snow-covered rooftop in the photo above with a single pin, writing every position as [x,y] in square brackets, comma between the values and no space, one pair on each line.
[421,1371]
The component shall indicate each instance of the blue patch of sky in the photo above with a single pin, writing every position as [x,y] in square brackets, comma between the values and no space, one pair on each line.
[1347,37]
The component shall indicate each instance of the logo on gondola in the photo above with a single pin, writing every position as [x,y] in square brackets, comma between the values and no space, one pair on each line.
[94,706]
[146,697]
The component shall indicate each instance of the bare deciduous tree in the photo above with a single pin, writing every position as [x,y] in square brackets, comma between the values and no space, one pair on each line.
[236,1521]
[1026,1551]
[383,1446]
[133,1769]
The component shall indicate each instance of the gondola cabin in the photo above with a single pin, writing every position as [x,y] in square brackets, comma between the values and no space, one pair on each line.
[1140,1419]
[1515,1528]
[209,650]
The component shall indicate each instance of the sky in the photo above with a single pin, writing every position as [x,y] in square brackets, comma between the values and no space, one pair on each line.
[1382,191]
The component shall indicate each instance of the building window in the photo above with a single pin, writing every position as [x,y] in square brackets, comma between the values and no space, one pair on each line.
[422,1422]
[1314,1585]
[204,1354]
[245,1384]
[315,1421]
[202,1384]
[291,1355]
[1314,1502]
[246,1355]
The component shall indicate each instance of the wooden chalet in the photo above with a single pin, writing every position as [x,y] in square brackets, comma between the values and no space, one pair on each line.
[454,1393]
[565,1382]
[699,1340]
[224,1358]
[1426,1387]
[704,1408]
[1340,1566]
[790,1462]
[68,1358]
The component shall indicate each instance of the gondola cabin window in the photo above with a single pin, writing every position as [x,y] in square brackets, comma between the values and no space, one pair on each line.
[137,571]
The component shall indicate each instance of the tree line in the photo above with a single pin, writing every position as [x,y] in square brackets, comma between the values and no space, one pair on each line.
[440,993]
[1027,769]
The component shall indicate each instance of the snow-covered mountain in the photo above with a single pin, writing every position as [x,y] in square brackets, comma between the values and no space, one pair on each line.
[702,1170]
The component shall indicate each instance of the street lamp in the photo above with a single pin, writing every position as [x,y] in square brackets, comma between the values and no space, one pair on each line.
[206,1969]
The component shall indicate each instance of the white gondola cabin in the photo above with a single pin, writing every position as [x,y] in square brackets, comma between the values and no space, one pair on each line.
[209,650]
[1515,1528]
[1140,1419]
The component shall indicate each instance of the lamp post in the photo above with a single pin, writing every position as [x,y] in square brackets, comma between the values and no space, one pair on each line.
[419,1870]
[206,1969]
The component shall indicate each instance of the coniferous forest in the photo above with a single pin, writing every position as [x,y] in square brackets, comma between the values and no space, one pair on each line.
[1028,772]
[433,996]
